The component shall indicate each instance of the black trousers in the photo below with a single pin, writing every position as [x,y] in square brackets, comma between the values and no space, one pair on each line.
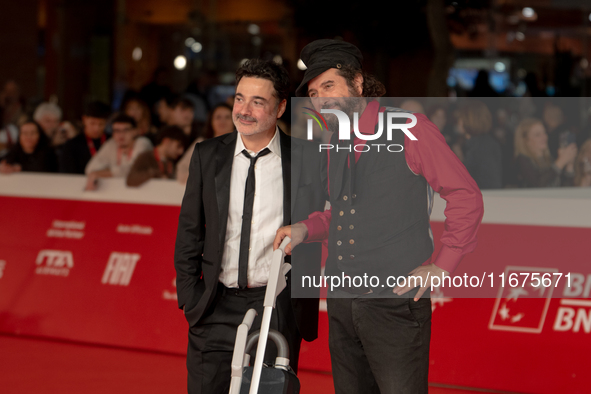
[379,345]
[211,341]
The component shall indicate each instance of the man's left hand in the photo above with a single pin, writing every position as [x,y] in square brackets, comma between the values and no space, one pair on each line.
[425,272]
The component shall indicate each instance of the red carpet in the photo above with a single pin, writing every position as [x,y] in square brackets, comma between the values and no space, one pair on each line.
[39,366]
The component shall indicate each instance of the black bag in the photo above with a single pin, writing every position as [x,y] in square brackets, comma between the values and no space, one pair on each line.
[273,381]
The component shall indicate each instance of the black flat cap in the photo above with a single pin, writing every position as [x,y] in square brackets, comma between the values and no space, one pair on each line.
[321,55]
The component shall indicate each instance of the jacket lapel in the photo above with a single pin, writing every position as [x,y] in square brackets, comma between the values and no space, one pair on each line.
[285,142]
[223,170]
[338,161]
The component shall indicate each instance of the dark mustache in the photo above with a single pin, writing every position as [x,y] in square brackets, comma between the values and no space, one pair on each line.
[331,105]
[247,118]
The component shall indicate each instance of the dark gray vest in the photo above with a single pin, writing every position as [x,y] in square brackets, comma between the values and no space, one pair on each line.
[380,212]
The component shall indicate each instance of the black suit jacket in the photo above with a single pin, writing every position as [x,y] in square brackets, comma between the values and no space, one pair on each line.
[204,214]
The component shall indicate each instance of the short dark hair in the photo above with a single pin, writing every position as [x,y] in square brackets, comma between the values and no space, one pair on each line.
[182,102]
[173,133]
[97,109]
[122,118]
[269,70]
[371,86]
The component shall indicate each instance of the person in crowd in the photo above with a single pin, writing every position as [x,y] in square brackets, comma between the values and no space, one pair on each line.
[483,157]
[503,132]
[182,116]
[583,165]
[219,122]
[159,163]
[482,86]
[533,161]
[379,338]
[31,153]
[158,86]
[49,117]
[140,112]
[412,106]
[163,110]
[558,131]
[78,151]
[438,115]
[8,137]
[11,104]
[115,157]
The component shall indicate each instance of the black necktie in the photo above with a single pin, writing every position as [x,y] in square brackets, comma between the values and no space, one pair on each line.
[247,219]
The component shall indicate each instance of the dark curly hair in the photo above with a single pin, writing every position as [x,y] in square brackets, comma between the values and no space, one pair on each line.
[371,86]
[266,69]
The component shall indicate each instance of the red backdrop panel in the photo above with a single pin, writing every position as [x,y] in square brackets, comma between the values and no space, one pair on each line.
[103,273]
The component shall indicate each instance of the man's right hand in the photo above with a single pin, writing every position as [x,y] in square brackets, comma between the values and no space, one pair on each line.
[297,232]
[91,182]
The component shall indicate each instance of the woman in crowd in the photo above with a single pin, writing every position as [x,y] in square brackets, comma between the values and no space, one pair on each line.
[535,166]
[219,122]
[583,165]
[482,154]
[31,153]
[140,112]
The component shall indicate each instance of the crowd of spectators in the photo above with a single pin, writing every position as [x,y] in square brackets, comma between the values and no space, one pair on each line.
[503,142]
[504,145]
[151,135]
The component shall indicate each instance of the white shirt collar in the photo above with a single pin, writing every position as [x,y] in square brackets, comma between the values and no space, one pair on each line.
[273,145]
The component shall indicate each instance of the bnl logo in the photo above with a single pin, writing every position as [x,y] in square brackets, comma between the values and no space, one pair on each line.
[345,124]
[120,268]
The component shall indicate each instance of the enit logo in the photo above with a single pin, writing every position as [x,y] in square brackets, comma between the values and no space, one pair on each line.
[120,268]
[54,262]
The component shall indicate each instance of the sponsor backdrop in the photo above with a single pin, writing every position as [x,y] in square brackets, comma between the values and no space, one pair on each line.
[102,272]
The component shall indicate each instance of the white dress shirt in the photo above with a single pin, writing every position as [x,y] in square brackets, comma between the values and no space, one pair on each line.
[267,214]
[108,157]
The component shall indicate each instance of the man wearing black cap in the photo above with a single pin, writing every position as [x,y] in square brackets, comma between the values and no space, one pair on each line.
[379,336]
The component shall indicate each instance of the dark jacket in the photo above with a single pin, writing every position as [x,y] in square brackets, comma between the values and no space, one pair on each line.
[43,159]
[75,154]
[204,214]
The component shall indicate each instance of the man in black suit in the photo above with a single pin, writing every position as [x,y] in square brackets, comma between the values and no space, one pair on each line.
[238,194]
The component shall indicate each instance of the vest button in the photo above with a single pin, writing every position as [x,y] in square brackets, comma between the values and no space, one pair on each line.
[339,243]
[352,256]
[340,257]
[345,198]
[354,196]
[339,228]
[352,241]
[352,211]
[351,227]
[341,213]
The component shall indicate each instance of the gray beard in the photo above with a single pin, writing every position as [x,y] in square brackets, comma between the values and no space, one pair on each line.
[349,107]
